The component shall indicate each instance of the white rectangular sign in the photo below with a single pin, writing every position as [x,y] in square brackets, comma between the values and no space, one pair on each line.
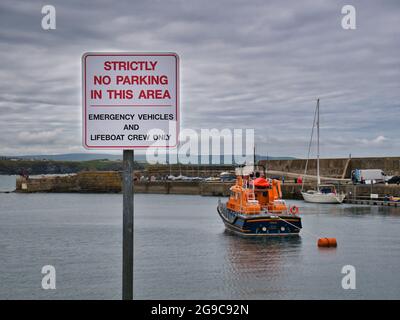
[130,100]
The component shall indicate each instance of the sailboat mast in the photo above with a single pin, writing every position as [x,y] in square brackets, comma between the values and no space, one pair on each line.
[318,178]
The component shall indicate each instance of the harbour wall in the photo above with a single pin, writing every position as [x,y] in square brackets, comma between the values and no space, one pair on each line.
[335,167]
[111,182]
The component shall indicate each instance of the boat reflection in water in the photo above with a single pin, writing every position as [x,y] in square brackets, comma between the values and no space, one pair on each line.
[258,267]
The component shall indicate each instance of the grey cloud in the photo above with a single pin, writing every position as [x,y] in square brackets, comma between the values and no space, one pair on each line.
[245,64]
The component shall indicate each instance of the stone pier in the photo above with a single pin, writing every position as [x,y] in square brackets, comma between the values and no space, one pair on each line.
[110,182]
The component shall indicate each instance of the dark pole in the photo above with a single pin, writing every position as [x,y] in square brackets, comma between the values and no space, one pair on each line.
[127,228]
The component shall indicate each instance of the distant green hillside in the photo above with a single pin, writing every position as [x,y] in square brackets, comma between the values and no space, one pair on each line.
[72,163]
[70,157]
[59,167]
[112,157]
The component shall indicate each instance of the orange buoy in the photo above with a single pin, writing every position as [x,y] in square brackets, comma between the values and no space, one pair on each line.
[327,242]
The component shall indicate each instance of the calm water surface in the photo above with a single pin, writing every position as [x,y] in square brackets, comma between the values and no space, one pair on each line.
[183,252]
[7,182]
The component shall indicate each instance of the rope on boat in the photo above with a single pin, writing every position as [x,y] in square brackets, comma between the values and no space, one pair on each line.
[297,227]
[322,242]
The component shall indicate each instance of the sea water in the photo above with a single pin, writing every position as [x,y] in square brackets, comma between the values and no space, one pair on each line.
[182,250]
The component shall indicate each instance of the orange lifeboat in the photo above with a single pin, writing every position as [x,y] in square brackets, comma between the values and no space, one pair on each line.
[256,207]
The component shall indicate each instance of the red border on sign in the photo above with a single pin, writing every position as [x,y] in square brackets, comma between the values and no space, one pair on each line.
[177,89]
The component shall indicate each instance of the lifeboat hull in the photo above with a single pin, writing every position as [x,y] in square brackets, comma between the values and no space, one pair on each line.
[263,225]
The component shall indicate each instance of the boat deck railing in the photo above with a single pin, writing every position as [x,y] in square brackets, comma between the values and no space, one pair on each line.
[266,213]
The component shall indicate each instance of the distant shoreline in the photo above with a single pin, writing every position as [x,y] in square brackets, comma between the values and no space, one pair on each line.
[33,167]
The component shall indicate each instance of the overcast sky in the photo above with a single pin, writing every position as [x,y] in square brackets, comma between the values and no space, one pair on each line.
[244,64]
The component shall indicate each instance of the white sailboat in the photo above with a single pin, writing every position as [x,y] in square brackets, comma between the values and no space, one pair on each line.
[328,196]
[323,193]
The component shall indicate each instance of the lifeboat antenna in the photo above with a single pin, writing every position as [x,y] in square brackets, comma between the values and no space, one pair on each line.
[254,159]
